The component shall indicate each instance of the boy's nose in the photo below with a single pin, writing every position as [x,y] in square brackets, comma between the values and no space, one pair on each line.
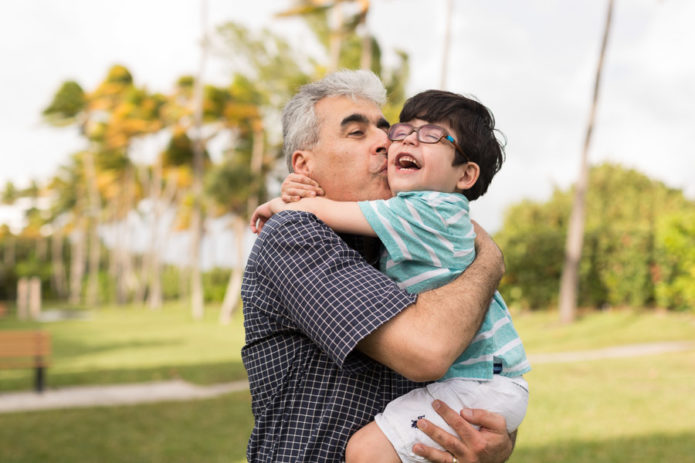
[412,138]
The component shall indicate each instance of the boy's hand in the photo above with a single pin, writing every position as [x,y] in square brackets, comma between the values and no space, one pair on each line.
[260,216]
[264,212]
[297,186]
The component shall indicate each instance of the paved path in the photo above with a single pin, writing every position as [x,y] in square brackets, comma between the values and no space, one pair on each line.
[178,390]
[629,350]
[123,394]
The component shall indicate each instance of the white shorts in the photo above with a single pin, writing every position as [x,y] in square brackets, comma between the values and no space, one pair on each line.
[503,395]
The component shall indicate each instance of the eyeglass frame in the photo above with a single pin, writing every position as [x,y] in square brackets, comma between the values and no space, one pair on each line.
[446,136]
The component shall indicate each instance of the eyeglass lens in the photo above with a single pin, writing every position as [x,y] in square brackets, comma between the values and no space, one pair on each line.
[426,133]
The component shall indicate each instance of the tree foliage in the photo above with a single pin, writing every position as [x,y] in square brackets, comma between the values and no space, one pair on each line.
[636,251]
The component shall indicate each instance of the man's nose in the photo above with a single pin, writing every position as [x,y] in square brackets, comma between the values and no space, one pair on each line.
[383,143]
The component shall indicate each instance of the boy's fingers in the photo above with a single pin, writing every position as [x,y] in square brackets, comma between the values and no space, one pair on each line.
[290,198]
[302,187]
[299,193]
[297,178]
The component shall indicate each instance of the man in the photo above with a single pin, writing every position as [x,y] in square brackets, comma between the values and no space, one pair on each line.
[330,340]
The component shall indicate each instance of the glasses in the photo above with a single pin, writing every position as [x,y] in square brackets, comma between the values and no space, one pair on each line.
[428,133]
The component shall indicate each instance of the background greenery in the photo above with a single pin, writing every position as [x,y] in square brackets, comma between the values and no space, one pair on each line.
[638,251]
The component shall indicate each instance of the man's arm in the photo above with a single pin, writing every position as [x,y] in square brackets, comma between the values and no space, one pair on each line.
[424,339]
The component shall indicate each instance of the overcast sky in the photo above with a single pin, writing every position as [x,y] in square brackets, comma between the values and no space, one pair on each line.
[531,61]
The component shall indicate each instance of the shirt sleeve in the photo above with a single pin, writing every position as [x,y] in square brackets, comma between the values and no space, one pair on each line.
[328,290]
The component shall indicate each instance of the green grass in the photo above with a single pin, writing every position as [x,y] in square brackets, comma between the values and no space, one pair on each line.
[542,332]
[637,409]
[619,410]
[129,344]
[205,431]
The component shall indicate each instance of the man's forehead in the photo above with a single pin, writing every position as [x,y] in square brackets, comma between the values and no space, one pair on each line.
[340,109]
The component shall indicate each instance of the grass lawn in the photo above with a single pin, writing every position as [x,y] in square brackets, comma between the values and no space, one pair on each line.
[637,409]
[129,344]
[205,431]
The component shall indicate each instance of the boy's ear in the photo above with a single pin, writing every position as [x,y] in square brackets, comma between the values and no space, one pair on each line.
[302,162]
[470,172]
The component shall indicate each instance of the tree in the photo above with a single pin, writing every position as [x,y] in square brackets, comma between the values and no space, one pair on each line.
[674,267]
[238,183]
[569,284]
[625,258]
[70,106]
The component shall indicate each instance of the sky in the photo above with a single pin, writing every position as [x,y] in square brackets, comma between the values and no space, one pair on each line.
[532,62]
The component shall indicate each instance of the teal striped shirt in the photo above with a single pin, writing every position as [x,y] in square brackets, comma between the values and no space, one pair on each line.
[428,240]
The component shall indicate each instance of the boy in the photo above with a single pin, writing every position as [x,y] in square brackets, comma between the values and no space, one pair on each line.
[428,240]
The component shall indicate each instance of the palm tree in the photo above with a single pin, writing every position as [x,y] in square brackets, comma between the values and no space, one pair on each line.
[328,20]
[575,234]
[70,107]
[9,196]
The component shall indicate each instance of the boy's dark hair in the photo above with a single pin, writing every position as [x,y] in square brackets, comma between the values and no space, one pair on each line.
[474,127]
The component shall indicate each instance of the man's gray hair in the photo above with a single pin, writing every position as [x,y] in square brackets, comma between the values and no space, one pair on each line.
[300,126]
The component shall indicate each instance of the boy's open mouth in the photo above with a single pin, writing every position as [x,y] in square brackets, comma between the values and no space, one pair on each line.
[406,161]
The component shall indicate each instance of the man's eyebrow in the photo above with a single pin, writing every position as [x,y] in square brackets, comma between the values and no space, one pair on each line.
[383,123]
[354,118]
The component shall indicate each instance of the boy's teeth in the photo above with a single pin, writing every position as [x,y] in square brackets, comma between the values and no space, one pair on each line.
[406,161]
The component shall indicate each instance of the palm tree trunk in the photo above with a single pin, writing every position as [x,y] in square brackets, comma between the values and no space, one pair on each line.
[197,303]
[366,56]
[233,293]
[77,261]
[154,188]
[94,243]
[58,268]
[41,248]
[335,40]
[10,252]
[569,285]
[155,297]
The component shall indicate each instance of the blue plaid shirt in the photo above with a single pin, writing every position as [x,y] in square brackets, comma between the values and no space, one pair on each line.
[308,300]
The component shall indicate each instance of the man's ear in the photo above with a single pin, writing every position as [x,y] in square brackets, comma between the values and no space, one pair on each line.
[469,174]
[302,162]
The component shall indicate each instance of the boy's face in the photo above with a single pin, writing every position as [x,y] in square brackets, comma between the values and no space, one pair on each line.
[414,165]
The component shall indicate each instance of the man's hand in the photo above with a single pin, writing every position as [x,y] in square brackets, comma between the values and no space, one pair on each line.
[490,444]
[297,186]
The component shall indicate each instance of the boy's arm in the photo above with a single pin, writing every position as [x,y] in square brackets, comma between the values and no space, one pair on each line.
[425,338]
[341,216]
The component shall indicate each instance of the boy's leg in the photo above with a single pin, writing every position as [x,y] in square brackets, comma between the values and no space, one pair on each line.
[370,444]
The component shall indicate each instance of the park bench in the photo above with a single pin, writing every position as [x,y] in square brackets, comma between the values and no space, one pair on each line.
[26,349]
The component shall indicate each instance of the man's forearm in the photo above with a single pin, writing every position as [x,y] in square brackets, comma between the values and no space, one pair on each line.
[425,338]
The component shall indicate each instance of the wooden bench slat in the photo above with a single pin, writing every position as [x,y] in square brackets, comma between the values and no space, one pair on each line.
[28,348]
